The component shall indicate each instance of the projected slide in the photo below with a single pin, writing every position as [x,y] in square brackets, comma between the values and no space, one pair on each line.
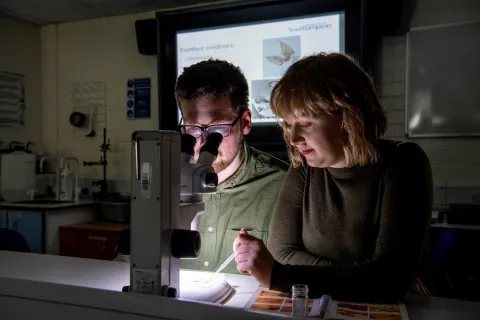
[263,51]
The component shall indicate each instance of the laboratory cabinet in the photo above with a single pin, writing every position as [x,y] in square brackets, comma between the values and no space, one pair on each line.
[3,218]
[28,223]
[39,225]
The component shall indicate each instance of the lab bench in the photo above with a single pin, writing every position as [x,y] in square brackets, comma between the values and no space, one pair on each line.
[38,223]
[112,276]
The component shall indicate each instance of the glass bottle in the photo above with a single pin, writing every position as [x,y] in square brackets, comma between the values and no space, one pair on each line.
[299,300]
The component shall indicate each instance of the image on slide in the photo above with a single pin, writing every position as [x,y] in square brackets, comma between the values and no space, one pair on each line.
[261,109]
[279,54]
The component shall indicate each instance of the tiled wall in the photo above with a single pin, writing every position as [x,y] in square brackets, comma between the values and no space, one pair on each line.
[456,162]
[105,50]
[20,53]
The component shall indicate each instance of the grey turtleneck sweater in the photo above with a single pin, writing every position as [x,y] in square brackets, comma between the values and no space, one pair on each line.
[354,233]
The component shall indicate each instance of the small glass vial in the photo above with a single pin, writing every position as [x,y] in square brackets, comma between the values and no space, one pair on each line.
[299,300]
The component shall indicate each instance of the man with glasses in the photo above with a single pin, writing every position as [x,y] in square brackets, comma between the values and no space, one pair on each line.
[213,97]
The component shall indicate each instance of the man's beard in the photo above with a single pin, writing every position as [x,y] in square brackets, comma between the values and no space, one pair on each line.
[223,161]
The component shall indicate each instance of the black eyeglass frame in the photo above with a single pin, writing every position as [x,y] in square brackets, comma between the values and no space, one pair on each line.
[203,129]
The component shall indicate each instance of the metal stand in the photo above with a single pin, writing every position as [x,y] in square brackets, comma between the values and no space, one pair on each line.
[162,176]
[104,147]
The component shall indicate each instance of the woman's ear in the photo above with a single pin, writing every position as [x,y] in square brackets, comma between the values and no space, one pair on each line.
[246,121]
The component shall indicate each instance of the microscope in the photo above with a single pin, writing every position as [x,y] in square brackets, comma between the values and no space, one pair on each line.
[167,193]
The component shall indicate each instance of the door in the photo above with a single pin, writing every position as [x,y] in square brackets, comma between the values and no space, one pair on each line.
[29,225]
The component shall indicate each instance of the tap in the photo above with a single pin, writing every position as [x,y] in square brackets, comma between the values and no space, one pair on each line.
[57,175]
[76,187]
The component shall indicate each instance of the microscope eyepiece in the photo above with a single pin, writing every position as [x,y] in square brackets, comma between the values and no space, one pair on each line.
[188,144]
[211,180]
[213,142]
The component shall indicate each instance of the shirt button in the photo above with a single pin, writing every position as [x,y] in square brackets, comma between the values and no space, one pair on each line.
[206,263]
[210,229]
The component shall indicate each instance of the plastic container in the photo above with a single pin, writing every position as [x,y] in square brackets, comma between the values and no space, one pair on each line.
[299,300]
[17,175]
[66,184]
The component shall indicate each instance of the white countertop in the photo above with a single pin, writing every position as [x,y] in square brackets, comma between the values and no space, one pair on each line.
[44,206]
[113,276]
[98,274]
[455,226]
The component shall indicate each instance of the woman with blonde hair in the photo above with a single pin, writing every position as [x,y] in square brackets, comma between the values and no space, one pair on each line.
[354,211]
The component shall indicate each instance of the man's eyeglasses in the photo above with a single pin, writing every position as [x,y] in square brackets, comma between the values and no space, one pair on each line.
[197,131]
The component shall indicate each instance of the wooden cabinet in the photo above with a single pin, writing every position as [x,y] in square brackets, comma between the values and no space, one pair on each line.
[39,226]
[94,240]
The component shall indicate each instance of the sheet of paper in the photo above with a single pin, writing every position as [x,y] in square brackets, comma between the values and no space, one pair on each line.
[194,287]
[347,310]
[274,301]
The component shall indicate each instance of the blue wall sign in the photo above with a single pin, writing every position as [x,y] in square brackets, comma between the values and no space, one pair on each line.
[139,98]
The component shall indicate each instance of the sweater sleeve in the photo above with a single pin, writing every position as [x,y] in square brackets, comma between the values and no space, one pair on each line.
[285,240]
[406,207]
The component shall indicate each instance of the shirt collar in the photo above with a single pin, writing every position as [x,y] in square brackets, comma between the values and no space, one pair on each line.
[242,172]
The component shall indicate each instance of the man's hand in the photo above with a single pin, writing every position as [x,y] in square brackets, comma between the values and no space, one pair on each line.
[253,257]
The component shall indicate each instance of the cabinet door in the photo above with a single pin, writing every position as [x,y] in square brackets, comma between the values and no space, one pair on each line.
[29,225]
[3,218]
[92,244]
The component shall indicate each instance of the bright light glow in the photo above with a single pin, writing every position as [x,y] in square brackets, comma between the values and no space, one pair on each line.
[193,286]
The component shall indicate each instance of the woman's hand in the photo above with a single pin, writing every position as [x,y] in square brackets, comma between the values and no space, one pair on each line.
[253,258]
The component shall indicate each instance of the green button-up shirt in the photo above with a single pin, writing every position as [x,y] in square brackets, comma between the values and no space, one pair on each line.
[247,201]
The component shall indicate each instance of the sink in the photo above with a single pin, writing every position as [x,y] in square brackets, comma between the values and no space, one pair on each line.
[43,201]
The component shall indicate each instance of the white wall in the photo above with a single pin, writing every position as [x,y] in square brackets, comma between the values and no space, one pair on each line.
[456,162]
[20,53]
[105,50]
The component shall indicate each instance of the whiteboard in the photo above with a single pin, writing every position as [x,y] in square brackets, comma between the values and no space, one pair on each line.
[443,81]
